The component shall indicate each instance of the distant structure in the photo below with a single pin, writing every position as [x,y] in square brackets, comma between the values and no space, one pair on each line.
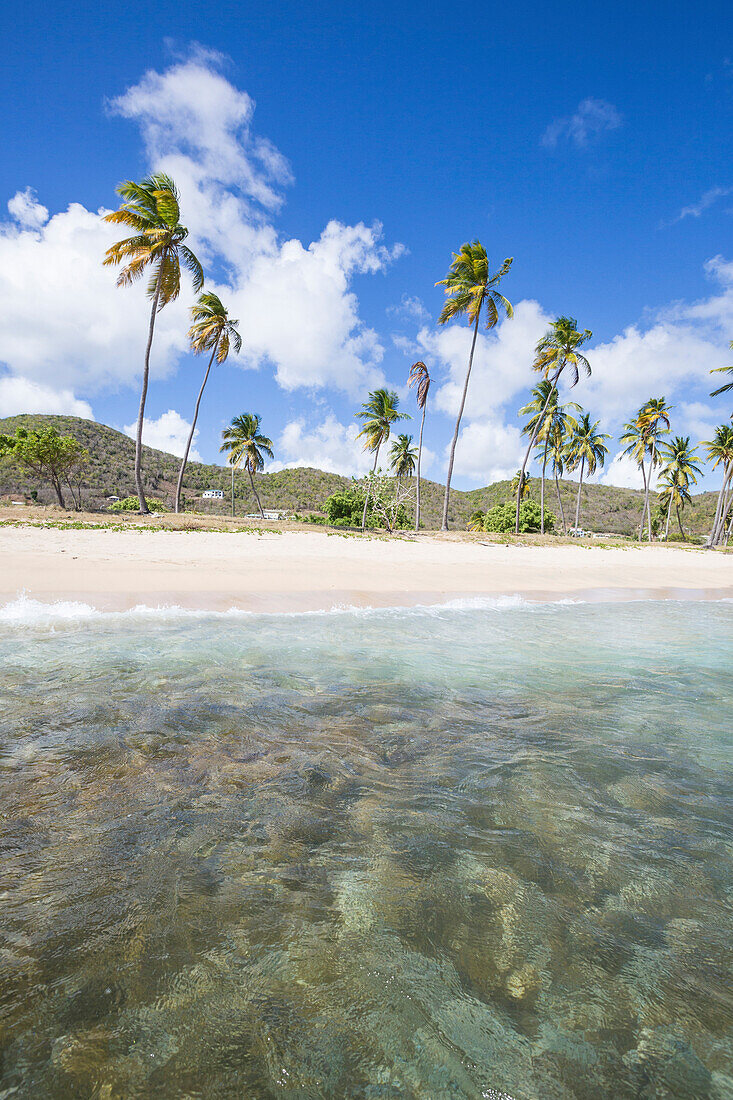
[212,494]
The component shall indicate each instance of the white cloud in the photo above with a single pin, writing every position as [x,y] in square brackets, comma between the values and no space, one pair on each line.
[411,308]
[25,208]
[708,199]
[621,471]
[168,433]
[333,446]
[488,450]
[20,395]
[592,117]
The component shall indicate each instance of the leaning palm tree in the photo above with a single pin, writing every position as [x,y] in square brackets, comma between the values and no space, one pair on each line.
[544,411]
[402,457]
[680,469]
[675,490]
[470,286]
[213,329]
[557,350]
[152,211]
[654,421]
[244,444]
[586,449]
[634,439]
[720,453]
[558,451]
[419,377]
[379,413]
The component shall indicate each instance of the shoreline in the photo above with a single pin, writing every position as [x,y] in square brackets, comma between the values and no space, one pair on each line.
[288,571]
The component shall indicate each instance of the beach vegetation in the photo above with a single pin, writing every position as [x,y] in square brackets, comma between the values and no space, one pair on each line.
[58,459]
[548,420]
[502,518]
[132,504]
[586,452]
[419,377]
[247,447]
[377,414]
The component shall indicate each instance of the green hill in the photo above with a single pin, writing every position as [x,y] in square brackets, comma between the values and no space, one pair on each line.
[604,507]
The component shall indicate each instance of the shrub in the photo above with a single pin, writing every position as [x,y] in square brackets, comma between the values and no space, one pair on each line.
[502,517]
[132,504]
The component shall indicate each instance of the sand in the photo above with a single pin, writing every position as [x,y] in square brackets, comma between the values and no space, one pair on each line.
[308,570]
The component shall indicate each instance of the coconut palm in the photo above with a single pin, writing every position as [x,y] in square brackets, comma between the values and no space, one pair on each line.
[679,470]
[720,453]
[635,445]
[544,411]
[558,453]
[476,522]
[586,449]
[213,329]
[403,457]
[379,413]
[520,484]
[675,490]
[557,351]
[151,210]
[419,377]
[470,286]
[723,370]
[654,421]
[244,444]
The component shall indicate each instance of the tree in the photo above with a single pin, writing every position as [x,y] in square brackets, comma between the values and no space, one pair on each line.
[402,457]
[419,377]
[723,370]
[586,449]
[520,484]
[212,329]
[720,453]
[470,286]
[50,456]
[152,211]
[244,444]
[635,443]
[679,471]
[556,351]
[545,412]
[379,413]
[558,455]
[654,422]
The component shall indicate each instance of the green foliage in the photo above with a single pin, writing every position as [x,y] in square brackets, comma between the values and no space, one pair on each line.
[132,504]
[501,517]
[49,456]
[345,509]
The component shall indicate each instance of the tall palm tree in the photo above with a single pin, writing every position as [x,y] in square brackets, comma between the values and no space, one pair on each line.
[635,445]
[403,457]
[419,377]
[244,444]
[720,453]
[544,411]
[680,469]
[586,449]
[675,490]
[470,286]
[213,329]
[557,350]
[558,452]
[654,420]
[379,413]
[151,210]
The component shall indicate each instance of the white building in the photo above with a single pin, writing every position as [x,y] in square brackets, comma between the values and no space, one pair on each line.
[212,494]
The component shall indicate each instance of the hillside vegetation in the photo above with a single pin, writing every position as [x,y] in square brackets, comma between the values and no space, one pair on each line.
[605,508]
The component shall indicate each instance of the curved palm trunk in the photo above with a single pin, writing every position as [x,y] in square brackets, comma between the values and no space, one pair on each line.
[679,522]
[669,513]
[143,395]
[643,509]
[232,489]
[419,456]
[713,536]
[580,486]
[532,442]
[559,501]
[542,486]
[257,497]
[366,495]
[193,429]
[729,532]
[446,498]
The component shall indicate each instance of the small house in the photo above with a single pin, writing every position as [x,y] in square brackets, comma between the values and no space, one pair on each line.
[212,494]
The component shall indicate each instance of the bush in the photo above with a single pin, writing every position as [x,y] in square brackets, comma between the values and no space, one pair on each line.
[132,504]
[502,517]
[345,509]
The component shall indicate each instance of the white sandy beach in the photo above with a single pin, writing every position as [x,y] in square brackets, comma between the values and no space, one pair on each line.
[115,570]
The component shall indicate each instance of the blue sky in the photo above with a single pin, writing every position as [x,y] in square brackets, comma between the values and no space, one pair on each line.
[330,158]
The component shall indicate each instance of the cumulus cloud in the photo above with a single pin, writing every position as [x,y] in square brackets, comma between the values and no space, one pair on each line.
[168,433]
[27,211]
[592,117]
[488,450]
[21,395]
[333,446]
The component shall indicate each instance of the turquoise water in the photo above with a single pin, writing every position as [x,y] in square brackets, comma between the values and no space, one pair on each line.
[474,852]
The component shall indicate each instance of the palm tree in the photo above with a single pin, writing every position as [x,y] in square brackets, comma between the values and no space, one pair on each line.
[720,452]
[244,444]
[152,211]
[476,522]
[675,490]
[587,449]
[213,329]
[403,457]
[379,413]
[723,370]
[520,484]
[654,421]
[680,469]
[544,410]
[558,451]
[470,286]
[558,349]
[419,377]
[634,437]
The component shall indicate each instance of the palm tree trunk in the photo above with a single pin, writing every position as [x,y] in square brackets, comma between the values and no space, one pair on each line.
[366,495]
[532,442]
[712,537]
[232,490]
[419,456]
[257,498]
[580,486]
[193,429]
[559,501]
[542,486]
[446,498]
[679,521]
[643,509]
[143,395]
[669,513]
[729,532]
[649,492]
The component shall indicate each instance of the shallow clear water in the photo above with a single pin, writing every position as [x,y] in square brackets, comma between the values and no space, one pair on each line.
[478,852]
